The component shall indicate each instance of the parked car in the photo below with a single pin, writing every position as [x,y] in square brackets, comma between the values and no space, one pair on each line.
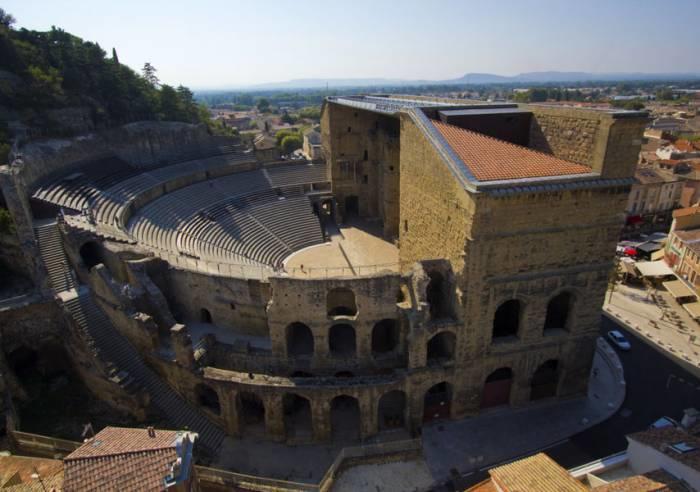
[619,340]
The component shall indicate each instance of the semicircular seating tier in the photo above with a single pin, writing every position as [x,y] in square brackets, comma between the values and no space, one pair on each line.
[256,217]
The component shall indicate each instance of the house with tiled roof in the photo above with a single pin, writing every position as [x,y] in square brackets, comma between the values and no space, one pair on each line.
[118,459]
[680,149]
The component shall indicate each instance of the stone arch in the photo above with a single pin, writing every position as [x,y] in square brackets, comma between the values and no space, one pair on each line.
[497,388]
[297,416]
[341,302]
[437,402]
[441,347]
[341,340]
[208,398]
[559,310]
[91,254]
[545,380]
[345,418]
[251,413]
[437,295]
[300,340]
[506,319]
[205,316]
[391,410]
[385,337]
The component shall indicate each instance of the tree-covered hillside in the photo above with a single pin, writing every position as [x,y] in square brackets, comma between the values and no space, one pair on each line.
[45,71]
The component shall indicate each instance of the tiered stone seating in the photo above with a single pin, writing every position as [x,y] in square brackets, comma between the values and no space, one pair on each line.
[84,184]
[296,174]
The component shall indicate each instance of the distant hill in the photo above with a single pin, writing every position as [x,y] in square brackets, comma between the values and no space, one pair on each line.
[476,79]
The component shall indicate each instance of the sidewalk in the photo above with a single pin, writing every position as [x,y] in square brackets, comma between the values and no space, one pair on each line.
[473,444]
[658,320]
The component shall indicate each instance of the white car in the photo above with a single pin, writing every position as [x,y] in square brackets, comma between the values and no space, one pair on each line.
[619,339]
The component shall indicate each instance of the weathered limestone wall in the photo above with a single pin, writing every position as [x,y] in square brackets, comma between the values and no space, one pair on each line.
[233,303]
[436,212]
[348,134]
[31,324]
[306,301]
[607,142]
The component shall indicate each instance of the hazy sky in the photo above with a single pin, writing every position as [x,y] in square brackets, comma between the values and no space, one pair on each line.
[218,43]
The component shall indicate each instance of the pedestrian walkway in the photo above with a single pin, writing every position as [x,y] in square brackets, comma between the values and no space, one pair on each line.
[657,319]
[474,444]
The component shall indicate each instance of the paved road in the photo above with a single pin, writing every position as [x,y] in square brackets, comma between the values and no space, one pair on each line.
[656,386]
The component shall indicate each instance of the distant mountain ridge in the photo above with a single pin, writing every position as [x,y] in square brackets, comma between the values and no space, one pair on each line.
[476,78]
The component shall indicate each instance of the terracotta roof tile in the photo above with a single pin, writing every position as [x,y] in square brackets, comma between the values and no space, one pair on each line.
[16,473]
[490,159]
[538,473]
[122,459]
[116,440]
[684,212]
[654,481]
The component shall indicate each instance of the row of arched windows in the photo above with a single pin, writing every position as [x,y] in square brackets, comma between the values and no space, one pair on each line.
[391,408]
[506,320]
[341,339]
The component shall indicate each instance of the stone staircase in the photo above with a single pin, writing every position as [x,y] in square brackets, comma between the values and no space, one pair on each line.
[128,369]
[54,256]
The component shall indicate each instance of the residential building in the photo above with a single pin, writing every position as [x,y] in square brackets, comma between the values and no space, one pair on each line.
[680,149]
[313,149]
[133,459]
[653,197]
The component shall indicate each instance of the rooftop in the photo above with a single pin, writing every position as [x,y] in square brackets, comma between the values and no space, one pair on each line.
[490,159]
[679,444]
[657,480]
[124,459]
[685,212]
[538,472]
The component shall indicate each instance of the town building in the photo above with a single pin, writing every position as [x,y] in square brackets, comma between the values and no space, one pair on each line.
[133,459]
[313,150]
[680,149]
[653,198]
[682,251]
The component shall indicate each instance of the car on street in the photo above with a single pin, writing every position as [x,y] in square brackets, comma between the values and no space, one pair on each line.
[619,340]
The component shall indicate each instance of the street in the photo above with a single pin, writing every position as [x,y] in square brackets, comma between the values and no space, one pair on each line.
[656,386]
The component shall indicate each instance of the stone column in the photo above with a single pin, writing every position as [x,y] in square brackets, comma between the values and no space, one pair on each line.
[274,417]
[520,391]
[369,425]
[230,414]
[415,404]
[321,419]
[182,345]
[363,340]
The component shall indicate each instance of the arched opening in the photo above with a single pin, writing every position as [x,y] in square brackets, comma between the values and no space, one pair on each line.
[341,340]
[392,410]
[343,374]
[436,294]
[301,374]
[385,337]
[300,340]
[91,254]
[208,398]
[352,206]
[345,418]
[441,348]
[497,388]
[506,321]
[341,302]
[251,413]
[205,316]
[297,416]
[24,362]
[558,311]
[437,402]
[545,381]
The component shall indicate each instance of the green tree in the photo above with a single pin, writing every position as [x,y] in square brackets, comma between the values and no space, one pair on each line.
[6,19]
[7,226]
[287,118]
[290,143]
[263,105]
[149,73]
[170,106]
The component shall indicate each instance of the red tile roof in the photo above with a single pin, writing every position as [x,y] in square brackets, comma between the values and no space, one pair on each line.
[684,212]
[490,159]
[122,459]
[660,439]
[684,146]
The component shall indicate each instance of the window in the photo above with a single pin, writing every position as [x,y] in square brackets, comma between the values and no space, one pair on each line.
[365,179]
[349,129]
[405,226]
[365,156]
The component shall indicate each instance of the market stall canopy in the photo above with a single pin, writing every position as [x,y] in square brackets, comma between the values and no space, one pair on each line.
[693,309]
[678,289]
[653,268]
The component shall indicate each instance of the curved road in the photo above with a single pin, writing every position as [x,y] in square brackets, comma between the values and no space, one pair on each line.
[656,386]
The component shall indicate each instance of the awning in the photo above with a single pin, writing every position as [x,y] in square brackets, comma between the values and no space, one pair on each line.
[653,268]
[693,309]
[678,289]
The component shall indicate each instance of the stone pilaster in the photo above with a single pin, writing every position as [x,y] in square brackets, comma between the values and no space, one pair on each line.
[274,417]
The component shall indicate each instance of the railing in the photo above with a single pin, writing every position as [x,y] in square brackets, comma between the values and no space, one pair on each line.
[43,445]
[232,480]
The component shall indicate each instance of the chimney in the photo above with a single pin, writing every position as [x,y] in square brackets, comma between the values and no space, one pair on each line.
[690,417]
[151,431]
